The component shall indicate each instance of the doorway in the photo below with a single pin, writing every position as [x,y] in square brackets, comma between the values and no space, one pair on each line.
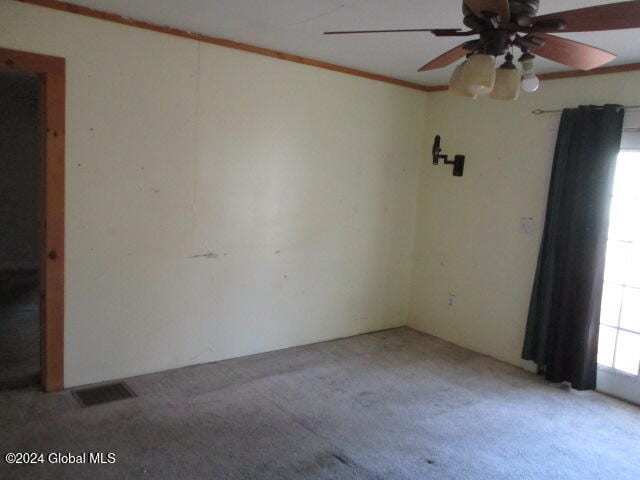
[32,216]
[20,223]
[619,341]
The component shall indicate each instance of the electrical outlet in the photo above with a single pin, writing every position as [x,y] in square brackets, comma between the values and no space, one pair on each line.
[451,300]
[525,227]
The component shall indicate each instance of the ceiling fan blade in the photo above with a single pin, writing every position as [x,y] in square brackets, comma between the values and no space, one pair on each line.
[613,16]
[440,31]
[574,54]
[545,26]
[499,7]
[446,58]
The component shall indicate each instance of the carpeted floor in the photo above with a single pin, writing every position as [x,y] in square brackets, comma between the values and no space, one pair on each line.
[390,405]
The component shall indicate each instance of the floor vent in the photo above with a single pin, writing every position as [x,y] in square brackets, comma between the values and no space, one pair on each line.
[89,397]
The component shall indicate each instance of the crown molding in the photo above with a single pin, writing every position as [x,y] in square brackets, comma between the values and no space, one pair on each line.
[629,67]
[112,17]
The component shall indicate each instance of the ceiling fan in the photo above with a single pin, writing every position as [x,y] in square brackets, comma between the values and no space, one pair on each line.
[503,26]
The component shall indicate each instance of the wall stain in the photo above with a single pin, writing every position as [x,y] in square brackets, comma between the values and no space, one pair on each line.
[208,255]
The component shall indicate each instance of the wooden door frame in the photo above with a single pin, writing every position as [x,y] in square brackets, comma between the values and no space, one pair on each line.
[51,71]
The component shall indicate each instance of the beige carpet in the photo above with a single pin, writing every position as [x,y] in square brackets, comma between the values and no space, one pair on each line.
[390,405]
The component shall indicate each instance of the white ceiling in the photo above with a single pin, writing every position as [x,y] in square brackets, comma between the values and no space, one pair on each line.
[296,26]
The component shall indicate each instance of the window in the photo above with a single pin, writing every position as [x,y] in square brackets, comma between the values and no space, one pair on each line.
[619,346]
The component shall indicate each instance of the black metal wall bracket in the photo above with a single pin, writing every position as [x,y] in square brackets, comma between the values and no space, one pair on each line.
[457,162]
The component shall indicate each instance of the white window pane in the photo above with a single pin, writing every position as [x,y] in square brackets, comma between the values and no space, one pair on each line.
[628,352]
[617,259]
[630,319]
[627,175]
[633,273]
[624,224]
[606,345]
[611,302]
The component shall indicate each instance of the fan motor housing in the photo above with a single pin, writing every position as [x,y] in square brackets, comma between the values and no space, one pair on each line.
[521,13]
[494,42]
[524,7]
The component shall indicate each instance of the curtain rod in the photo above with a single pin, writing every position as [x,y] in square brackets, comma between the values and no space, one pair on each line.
[543,112]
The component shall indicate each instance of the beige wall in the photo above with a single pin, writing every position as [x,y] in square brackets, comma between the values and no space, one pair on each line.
[222,203]
[467,240]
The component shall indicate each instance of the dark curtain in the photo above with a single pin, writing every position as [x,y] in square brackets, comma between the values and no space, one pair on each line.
[564,314]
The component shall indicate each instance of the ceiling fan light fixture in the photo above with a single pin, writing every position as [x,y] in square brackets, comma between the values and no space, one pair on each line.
[457,87]
[530,81]
[498,27]
[508,81]
[480,74]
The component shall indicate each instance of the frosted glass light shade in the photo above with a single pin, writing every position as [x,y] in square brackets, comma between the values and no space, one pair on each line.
[507,85]
[457,87]
[530,83]
[480,74]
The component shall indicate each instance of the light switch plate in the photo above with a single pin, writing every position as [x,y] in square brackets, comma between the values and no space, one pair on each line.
[451,300]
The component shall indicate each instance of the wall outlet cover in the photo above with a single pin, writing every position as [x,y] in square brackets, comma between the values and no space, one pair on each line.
[526,226]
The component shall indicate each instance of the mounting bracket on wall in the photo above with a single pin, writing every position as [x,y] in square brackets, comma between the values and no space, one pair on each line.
[457,162]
